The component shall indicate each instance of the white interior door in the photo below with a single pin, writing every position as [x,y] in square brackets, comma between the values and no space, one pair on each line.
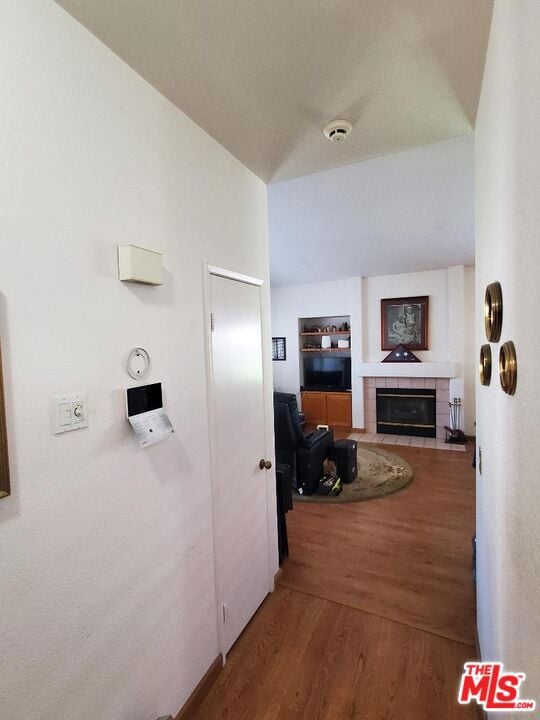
[239,485]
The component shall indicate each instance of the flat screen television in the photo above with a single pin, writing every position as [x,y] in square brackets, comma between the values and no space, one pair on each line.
[327,373]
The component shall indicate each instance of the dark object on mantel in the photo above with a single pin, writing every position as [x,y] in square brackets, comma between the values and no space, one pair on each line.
[401,354]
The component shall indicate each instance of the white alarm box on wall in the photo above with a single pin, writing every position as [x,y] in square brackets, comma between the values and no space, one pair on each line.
[140,265]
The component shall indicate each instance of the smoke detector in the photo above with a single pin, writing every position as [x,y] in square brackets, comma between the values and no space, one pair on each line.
[337,130]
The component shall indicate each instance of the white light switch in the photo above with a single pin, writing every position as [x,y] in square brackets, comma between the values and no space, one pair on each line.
[68,412]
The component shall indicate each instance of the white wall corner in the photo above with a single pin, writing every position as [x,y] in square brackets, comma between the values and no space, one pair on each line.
[456,331]
[356,310]
[507,250]
[456,313]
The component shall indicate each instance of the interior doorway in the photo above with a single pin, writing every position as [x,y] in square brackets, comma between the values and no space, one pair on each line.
[240,478]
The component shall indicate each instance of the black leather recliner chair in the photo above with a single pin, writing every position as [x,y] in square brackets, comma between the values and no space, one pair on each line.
[303,452]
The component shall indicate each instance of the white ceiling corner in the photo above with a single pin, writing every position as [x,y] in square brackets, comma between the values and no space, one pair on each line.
[264,76]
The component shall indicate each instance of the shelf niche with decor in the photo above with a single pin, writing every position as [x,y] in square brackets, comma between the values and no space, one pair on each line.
[322,402]
[314,333]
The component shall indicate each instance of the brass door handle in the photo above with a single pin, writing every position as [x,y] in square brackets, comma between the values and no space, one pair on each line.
[264,464]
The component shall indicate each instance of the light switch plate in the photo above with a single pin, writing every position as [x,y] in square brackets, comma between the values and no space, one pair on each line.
[68,412]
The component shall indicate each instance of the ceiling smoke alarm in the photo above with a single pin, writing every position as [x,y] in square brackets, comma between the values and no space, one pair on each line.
[337,130]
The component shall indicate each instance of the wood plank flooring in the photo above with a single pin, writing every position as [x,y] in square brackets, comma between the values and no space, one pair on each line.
[374,615]
[406,557]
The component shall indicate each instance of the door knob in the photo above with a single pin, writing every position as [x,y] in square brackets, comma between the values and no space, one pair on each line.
[265,464]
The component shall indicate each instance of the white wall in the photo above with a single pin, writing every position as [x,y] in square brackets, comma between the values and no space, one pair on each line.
[508,250]
[400,213]
[451,330]
[106,564]
[433,283]
[470,356]
[291,302]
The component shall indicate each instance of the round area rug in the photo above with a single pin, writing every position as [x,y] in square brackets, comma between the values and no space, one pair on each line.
[379,473]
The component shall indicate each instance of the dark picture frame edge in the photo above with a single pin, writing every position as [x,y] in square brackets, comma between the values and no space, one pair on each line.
[278,344]
[416,300]
[5,487]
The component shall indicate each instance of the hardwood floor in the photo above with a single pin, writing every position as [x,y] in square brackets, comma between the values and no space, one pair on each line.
[374,615]
[406,557]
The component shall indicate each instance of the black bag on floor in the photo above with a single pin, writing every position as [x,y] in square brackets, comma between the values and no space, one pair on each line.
[329,485]
[344,455]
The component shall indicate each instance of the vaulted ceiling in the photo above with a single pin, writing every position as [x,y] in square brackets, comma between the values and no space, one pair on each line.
[263,76]
[400,213]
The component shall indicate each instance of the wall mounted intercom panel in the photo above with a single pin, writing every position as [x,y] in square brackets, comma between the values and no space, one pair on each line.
[146,414]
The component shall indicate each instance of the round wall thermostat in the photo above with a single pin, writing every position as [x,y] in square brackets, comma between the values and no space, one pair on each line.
[138,363]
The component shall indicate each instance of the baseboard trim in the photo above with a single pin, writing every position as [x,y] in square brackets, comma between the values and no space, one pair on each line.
[358,430]
[277,576]
[189,709]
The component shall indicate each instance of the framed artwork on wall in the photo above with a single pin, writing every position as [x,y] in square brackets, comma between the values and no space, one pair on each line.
[404,321]
[279,348]
[4,460]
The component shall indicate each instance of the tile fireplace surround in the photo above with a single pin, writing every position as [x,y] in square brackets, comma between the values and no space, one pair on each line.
[440,385]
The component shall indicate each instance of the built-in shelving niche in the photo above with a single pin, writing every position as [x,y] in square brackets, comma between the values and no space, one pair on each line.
[312,330]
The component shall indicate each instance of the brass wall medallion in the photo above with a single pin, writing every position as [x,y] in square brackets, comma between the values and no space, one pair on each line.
[493,311]
[508,367]
[485,364]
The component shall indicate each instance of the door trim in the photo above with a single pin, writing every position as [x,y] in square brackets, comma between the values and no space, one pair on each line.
[208,271]
[233,275]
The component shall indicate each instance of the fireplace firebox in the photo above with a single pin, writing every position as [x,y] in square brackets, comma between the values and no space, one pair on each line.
[406,411]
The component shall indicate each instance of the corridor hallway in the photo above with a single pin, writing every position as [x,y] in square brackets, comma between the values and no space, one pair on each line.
[374,612]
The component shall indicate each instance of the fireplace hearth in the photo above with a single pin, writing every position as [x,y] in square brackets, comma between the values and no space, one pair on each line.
[406,411]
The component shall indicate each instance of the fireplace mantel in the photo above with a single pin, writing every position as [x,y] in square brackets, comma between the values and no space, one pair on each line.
[412,370]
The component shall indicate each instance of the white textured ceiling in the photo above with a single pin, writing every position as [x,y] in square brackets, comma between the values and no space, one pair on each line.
[263,76]
[400,213]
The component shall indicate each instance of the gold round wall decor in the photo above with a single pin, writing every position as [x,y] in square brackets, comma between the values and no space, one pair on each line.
[508,367]
[485,364]
[493,311]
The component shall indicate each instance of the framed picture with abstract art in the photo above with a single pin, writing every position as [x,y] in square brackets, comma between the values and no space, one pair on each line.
[279,348]
[404,321]
[4,461]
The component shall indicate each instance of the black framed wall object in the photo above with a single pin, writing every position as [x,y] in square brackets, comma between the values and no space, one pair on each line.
[279,348]
[4,459]
[144,398]
[404,321]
